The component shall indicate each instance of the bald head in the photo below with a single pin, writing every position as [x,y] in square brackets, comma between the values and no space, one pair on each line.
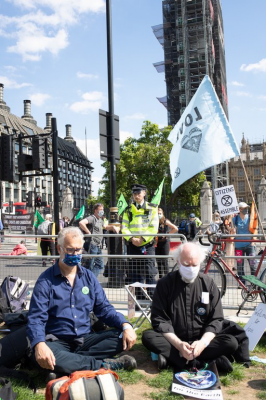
[190,254]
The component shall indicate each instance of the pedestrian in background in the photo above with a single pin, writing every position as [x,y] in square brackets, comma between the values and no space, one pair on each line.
[241,226]
[163,244]
[93,225]
[47,244]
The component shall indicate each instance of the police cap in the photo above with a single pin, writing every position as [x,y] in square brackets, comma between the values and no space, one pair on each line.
[136,188]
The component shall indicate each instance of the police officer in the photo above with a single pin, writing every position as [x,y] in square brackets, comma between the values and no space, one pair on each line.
[138,219]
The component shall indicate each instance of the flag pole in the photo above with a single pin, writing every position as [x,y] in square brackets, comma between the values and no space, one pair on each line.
[253,199]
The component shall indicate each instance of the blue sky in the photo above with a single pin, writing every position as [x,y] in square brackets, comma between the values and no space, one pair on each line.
[54,53]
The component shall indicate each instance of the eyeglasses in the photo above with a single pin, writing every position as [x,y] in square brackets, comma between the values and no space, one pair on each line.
[72,250]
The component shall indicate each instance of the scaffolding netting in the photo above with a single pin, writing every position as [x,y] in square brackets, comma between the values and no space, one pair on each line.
[163,100]
[158,32]
[160,66]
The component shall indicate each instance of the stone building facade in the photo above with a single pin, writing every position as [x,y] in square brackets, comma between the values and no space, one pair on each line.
[253,157]
[75,170]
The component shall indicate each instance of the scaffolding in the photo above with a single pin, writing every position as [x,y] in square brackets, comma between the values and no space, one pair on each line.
[193,42]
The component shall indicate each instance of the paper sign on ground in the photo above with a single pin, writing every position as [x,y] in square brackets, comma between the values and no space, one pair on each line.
[256,325]
[197,394]
[226,200]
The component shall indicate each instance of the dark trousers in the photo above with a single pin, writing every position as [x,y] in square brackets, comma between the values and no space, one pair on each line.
[162,249]
[71,356]
[141,270]
[47,244]
[222,344]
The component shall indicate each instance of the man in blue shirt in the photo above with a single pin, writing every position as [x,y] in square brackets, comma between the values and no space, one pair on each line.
[241,225]
[59,326]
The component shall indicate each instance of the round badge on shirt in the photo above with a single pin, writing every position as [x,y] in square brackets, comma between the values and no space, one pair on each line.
[85,290]
[201,311]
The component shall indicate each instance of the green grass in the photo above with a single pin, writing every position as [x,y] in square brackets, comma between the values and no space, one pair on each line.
[130,377]
[232,391]
[261,395]
[23,392]
[164,396]
[238,374]
[162,380]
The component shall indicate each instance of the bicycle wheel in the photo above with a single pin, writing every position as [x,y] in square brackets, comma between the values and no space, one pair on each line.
[262,278]
[216,272]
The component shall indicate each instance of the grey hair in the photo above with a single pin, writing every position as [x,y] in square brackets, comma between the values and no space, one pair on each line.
[48,216]
[72,230]
[194,247]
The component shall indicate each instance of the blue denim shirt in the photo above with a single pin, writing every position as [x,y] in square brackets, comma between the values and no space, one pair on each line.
[242,227]
[59,309]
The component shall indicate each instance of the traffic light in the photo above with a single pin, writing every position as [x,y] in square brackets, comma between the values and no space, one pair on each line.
[29,199]
[38,153]
[38,201]
[7,159]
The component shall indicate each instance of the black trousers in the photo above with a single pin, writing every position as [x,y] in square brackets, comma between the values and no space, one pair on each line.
[47,244]
[71,356]
[162,249]
[222,344]
[141,270]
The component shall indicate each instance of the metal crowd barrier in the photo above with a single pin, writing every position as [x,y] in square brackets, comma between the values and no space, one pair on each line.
[117,273]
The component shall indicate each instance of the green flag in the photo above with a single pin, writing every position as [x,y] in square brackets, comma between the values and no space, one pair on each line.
[158,194]
[121,204]
[38,219]
[81,213]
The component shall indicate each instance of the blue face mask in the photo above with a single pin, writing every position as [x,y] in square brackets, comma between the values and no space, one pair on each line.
[101,213]
[72,259]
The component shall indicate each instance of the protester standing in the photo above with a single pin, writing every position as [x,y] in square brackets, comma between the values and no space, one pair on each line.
[163,244]
[94,225]
[241,226]
[47,244]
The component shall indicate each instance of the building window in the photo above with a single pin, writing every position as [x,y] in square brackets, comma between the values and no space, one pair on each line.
[256,185]
[257,172]
[16,194]
[240,172]
[241,186]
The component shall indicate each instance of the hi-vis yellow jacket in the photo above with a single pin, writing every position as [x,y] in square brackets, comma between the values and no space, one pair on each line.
[136,222]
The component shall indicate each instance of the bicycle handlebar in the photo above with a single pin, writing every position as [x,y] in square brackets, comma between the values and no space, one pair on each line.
[202,243]
[211,241]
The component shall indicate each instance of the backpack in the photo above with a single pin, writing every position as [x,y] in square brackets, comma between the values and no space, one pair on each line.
[3,305]
[182,226]
[86,385]
[187,229]
[16,291]
[43,228]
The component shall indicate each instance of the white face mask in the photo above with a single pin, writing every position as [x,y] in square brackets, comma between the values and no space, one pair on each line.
[189,273]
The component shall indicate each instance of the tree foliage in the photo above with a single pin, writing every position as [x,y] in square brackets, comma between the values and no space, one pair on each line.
[147,161]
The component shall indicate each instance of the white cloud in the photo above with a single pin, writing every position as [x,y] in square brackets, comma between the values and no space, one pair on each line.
[235,83]
[92,101]
[11,84]
[10,68]
[33,41]
[93,148]
[258,67]
[262,97]
[81,75]
[42,25]
[125,135]
[136,116]
[243,94]
[38,99]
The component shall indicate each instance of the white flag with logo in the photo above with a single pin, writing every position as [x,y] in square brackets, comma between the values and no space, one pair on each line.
[202,137]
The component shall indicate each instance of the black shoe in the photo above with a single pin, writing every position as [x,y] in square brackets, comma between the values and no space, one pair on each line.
[162,362]
[51,376]
[124,362]
[223,364]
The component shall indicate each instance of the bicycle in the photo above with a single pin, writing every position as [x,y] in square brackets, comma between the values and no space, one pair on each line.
[216,267]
